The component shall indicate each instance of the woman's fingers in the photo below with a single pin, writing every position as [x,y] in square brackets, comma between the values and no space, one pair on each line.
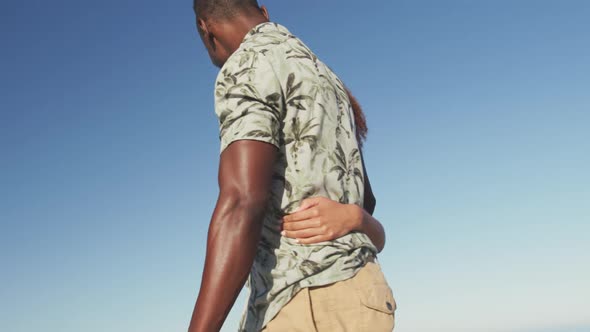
[309,202]
[301,224]
[303,233]
[302,215]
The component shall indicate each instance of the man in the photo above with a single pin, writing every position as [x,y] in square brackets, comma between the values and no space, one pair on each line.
[287,133]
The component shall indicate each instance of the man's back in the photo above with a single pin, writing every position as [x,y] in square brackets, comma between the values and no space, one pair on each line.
[274,89]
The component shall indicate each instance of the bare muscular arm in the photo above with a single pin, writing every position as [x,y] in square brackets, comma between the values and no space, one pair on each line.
[245,173]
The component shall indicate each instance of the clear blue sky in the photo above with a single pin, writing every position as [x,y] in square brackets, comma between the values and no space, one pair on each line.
[478,149]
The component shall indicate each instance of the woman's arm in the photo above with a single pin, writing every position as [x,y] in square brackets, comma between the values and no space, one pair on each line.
[322,219]
[373,228]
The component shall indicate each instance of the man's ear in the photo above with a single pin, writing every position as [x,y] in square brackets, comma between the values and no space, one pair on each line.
[202,26]
[264,12]
[206,34]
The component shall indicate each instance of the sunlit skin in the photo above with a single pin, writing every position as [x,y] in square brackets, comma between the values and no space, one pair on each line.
[245,175]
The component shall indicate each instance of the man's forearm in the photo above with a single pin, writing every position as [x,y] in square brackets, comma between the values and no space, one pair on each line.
[233,237]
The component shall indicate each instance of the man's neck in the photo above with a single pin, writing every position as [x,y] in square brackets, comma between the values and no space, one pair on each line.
[236,30]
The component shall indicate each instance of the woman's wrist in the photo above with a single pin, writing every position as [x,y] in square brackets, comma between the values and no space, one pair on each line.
[357,214]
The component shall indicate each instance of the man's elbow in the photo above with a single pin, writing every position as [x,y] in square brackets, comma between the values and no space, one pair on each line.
[252,203]
[237,216]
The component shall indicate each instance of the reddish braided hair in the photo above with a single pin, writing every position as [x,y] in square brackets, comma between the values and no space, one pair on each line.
[359,119]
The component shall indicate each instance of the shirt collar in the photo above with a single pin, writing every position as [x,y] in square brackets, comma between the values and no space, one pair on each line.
[266,27]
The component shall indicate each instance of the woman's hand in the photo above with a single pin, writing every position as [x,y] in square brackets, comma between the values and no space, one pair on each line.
[321,219]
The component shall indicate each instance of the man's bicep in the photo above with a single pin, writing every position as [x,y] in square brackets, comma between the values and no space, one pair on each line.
[245,169]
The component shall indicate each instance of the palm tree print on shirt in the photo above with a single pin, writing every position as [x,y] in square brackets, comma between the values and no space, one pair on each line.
[275,90]
[348,170]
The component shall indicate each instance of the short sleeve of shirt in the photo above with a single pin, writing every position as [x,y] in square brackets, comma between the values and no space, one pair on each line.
[247,100]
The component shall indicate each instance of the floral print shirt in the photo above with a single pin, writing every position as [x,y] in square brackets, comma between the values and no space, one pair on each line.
[274,89]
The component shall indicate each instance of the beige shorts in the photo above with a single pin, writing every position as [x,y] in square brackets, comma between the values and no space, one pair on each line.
[364,303]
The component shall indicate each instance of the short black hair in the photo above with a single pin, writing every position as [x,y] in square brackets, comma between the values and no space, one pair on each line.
[222,8]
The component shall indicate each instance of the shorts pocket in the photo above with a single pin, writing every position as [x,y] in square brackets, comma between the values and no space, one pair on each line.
[379,297]
[374,292]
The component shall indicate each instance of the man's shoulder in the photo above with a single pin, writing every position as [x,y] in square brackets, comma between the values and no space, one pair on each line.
[242,65]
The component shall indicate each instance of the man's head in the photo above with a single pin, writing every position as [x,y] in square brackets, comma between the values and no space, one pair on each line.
[222,25]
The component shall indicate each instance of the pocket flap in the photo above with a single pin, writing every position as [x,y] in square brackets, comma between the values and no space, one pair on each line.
[379,297]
